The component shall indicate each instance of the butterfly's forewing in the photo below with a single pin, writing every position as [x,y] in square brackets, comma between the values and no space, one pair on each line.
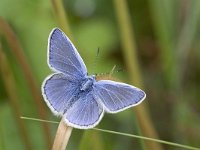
[85,112]
[63,56]
[116,96]
[58,92]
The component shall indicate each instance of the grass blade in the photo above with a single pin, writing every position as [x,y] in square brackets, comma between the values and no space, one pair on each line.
[129,50]
[124,134]
[10,86]
[21,58]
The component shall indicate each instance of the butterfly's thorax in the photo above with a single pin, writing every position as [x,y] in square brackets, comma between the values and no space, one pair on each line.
[87,83]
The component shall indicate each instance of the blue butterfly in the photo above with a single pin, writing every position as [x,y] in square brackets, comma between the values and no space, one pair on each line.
[79,98]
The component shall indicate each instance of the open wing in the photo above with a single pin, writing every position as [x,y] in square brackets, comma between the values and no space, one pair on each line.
[85,113]
[116,96]
[59,93]
[63,56]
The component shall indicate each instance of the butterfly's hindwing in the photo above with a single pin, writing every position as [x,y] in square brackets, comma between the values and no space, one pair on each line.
[59,92]
[85,112]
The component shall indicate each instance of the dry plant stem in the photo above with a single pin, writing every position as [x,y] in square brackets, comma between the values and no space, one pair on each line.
[129,50]
[10,86]
[21,58]
[62,136]
[63,131]
[62,19]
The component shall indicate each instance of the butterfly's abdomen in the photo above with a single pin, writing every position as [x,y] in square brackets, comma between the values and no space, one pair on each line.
[87,83]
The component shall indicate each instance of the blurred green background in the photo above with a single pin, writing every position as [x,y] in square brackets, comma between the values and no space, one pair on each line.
[164,43]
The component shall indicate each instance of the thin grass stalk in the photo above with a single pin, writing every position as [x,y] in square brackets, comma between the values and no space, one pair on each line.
[166,39]
[10,87]
[124,134]
[185,40]
[21,58]
[165,28]
[62,136]
[149,139]
[129,51]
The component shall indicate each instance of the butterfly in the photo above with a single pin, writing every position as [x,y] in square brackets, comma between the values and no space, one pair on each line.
[80,99]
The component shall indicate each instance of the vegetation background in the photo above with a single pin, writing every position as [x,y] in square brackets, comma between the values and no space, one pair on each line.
[156,43]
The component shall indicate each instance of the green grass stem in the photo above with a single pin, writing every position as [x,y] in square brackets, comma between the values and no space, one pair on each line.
[188,33]
[18,52]
[129,51]
[163,16]
[11,89]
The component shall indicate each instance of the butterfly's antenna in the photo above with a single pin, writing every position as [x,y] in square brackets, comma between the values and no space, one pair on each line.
[112,71]
[95,61]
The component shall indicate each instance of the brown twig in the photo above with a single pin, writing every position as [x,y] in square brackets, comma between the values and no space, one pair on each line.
[10,87]
[21,58]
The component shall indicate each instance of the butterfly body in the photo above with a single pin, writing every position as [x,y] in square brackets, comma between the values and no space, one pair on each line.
[88,83]
[79,98]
